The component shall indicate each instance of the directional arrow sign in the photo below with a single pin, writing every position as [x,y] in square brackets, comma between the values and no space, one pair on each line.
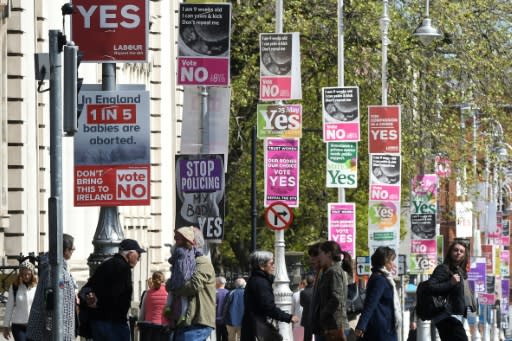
[363,265]
[278,216]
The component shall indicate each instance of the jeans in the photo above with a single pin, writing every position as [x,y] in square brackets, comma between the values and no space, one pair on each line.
[108,330]
[195,332]
[19,332]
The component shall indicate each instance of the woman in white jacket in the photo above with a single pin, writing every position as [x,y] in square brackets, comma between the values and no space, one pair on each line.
[21,295]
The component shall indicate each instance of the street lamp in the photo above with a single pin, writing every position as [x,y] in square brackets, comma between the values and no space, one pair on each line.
[426,33]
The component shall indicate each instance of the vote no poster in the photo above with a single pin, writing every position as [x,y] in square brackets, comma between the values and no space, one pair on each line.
[341,166]
[383,224]
[112,164]
[280,77]
[340,112]
[204,44]
[281,171]
[342,225]
[383,129]
[423,206]
[385,172]
[200,194]
[423,258]
[279,121]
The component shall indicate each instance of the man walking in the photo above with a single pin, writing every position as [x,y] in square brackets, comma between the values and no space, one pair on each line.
[220,325]
[233,310]
[108,293]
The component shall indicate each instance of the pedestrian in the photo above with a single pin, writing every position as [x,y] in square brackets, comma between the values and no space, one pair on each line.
[108,293]
[330,309]
[40,321]
[220,325]
[200,290]
[259,303]
[450,280]
[183,265]
[298,329]
[305,302]
[307,296]
[381,317]
[19,302]
[233,310]
[154,300]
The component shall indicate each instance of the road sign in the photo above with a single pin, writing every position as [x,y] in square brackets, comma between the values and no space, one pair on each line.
[363,265]
[278,216]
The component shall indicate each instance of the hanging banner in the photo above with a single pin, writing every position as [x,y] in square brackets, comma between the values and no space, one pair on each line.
[384,129]
[120,30]
[423,259]
[383,224]
[216,140]
[204,44]
[112,166]
[464,219]
[423,206]
[342,225]
[489,254]
[477,275]
[340,112]
[385,171]
[280,77]
[282,171]
[200,194]
[279,121]
[341,168]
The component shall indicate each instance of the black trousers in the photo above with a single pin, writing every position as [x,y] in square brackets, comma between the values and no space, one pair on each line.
[451,329]
[221,332]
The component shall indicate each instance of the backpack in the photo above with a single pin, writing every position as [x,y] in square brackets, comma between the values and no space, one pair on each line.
[355,299]
[427,305]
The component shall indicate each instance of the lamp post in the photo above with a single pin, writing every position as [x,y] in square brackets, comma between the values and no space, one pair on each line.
[426,34]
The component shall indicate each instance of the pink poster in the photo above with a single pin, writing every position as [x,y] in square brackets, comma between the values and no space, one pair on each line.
[384,129]
[282,171]
[342,225]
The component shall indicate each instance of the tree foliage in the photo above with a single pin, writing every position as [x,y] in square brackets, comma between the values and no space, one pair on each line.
[470,65]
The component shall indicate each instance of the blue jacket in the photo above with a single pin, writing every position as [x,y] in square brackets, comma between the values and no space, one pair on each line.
[377,320]
[234,307]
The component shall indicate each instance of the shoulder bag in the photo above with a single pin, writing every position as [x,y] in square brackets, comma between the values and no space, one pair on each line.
[265,330]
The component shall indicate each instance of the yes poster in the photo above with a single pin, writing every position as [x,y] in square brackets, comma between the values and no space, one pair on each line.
[423,206]
[383,224]
[342,225]
[341,169]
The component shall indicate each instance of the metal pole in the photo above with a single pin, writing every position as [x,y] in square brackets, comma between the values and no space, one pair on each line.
[55,200]
[282,291]
[205,123]
[254,215]
[109,232]
[384,25]
[341,69]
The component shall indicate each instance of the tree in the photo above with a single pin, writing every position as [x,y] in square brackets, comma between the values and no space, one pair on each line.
[471,64]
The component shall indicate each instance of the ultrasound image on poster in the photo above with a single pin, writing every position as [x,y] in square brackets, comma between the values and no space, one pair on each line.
[276,54]
[204,30]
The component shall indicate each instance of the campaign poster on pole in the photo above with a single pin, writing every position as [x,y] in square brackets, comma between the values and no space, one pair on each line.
[383,129]
[385,173]
[280,77]
[477,275]
[340,112]
[464,219]
[279,121]
[423,257]
[342,225]
[112,156]
[423,206]
[217,138]
[341,167]
[200,194]
[204,44]
[282,171]
[383,223]
[110,32]
[489,254]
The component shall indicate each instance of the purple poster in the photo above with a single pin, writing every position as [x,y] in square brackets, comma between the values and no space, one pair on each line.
[282,171]
[342,226]
[476,274]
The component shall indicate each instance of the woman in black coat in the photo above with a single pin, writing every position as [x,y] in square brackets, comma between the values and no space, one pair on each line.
[259,297]
[449,280]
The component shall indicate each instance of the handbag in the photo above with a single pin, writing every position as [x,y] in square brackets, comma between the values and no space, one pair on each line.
[355,299]
[265,330]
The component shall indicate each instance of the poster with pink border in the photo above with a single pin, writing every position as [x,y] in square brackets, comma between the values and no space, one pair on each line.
[282,171]
[342,225]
